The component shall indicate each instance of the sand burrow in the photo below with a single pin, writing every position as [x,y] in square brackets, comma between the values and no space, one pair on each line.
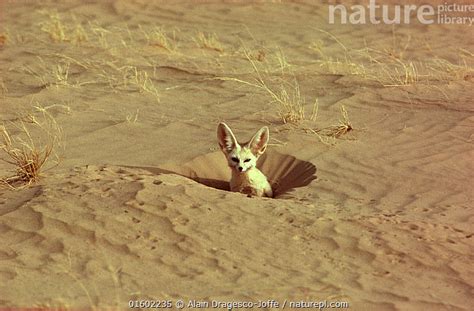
[285,172]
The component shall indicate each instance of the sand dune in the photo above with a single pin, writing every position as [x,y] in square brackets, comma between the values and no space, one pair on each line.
[380,217]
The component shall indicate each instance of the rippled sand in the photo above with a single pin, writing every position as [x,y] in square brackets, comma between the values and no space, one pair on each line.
[380,217]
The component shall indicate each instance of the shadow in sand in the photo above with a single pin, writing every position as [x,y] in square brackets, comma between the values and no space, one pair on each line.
[284,172]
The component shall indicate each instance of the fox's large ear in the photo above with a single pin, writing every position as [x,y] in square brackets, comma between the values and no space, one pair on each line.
[226,138]
[259,141]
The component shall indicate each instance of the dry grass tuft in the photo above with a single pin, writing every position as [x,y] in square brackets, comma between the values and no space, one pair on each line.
[330,134]
[159,38]
[54,27]
[338,64]
[128,78]
[397,72]
[291,106]
[61,73]
[57,75]
[59,31]
[132,117]
[344,126]
[209,41]
[281,60]
[269,60]
[444,70]
[79,34]
[140,80]
[27,152]
[100,33]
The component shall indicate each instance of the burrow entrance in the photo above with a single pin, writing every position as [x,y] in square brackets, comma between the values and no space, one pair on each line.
[285,172]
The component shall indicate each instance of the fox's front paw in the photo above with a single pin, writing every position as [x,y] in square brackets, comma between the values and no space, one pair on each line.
[251,192]
[269,193]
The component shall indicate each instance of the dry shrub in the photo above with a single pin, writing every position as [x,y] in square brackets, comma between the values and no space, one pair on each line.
[30,148]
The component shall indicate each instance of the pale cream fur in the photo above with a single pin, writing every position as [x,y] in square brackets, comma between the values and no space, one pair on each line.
[242,159]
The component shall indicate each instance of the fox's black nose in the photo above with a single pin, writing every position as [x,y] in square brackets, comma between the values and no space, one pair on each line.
[240,168]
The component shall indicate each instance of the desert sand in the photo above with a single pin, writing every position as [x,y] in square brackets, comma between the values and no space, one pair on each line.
[379,215]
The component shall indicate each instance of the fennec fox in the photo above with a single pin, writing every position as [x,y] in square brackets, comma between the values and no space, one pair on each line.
[242,159]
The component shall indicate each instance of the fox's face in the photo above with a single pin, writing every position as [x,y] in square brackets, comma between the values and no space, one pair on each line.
[242,157]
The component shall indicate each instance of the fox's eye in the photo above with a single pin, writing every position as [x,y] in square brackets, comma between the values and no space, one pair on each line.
[247,160]
[235,159]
